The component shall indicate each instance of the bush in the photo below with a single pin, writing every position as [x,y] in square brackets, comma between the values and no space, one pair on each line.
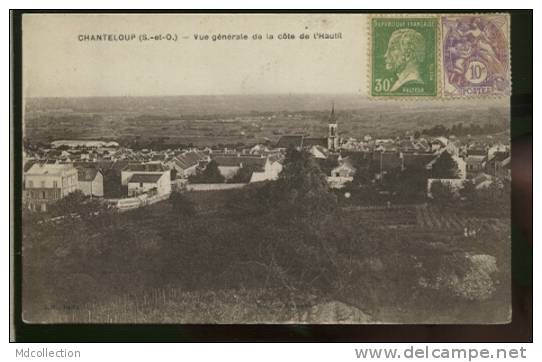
[75,202]
[181,205]
[243,175]
[210,175]
[442,193]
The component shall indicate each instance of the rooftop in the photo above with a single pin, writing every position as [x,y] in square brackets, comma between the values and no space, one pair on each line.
[315,141]
[38,169]
[145,167]
[256,163]
[189,159]
[86,174]
[290,141]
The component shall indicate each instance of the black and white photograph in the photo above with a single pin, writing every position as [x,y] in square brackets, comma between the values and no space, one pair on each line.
[261,169]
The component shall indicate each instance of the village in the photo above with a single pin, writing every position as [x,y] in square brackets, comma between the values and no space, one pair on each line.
[306,218]
[125,178]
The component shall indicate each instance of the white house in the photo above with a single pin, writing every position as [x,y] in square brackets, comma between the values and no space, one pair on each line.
[186,164]
[228,165]
[143,168]
[341,174]
[271,170]
[90,181]
[263,167]
[439,143]
[345,169]
[47,183]
[159,178]
[139,183]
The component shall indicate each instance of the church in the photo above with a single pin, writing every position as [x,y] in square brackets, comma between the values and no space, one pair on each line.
[330,143]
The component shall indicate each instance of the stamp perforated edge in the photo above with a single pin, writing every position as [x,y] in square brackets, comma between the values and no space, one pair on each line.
[509,72]
[369,78]
[440,84]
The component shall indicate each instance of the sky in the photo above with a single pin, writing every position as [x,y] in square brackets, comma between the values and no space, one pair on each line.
[57,64]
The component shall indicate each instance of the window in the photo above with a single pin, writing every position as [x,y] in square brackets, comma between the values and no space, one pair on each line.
[43,184]
[55,184]
[141,184]
[43,194]
[30,183]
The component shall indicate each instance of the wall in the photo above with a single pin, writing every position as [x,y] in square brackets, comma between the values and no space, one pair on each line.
[125,175]
[67,183]
[338,182]
[96,187]
[33,195]
[210,187]
[228,171]
[134,188]
[164,183]
[163,186]
[139,201]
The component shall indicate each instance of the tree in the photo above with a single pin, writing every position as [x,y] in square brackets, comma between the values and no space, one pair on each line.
[445,167]
[411,184]
[182,205]
[442,193]
[75,202]
[363,177]
[210,175]
[469,192]
[243,175]
[493,200]
[302,187]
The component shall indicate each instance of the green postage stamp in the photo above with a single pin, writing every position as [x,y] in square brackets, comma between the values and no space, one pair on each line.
[404,56]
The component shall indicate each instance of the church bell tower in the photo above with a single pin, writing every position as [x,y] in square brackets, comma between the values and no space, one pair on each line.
[332,134]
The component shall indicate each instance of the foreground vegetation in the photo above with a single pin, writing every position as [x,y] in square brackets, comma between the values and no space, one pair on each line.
[273,252]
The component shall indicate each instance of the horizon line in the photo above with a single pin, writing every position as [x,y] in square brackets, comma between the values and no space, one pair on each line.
[206,95]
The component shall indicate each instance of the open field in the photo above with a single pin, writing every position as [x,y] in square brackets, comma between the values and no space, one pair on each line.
[423,217]
[161,122]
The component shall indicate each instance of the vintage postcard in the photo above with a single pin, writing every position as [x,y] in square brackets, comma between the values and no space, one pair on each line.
[266,168]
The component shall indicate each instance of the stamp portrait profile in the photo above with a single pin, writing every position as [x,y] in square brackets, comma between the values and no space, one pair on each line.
[403,57]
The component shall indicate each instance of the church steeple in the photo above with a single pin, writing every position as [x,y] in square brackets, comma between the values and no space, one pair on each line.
[332,136]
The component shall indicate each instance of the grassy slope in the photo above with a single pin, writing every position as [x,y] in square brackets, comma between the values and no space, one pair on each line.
[150,265]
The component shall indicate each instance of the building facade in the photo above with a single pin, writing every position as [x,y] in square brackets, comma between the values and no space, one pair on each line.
[90,181]
[152,184]
[47,183]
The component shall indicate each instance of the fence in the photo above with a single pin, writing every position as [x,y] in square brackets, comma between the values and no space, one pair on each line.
[211,187]
[139,201]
